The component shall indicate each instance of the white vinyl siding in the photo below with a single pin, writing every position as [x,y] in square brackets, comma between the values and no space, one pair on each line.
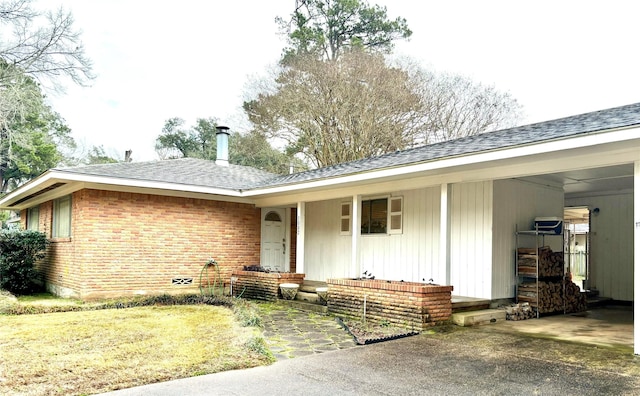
[611,266]
[414,254]
[471,210]
[326,253]
[62,217]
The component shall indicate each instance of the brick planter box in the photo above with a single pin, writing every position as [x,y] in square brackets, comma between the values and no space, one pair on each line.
[262,285]
[415,306]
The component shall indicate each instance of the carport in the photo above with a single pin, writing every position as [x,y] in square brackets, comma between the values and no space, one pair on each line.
[609,196]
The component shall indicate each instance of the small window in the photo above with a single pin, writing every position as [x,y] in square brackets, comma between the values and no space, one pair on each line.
[272,216]
[382,216]
[374,216]
[62,217]
[33,218]
[345,218]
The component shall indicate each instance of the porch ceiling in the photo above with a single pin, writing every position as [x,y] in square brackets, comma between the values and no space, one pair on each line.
[609,179]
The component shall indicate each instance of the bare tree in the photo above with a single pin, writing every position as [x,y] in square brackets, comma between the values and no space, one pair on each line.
[38,50]
[43,45]
[359,106]
[337,111]
[455,106]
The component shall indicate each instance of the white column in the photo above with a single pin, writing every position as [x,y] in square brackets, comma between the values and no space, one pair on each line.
[636,258]
[445,234]
[300,226]
[356,204]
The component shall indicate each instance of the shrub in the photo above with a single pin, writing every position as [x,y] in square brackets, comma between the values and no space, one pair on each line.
[19,251]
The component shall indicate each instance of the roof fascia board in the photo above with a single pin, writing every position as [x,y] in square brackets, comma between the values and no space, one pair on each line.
[104,180]
[550,146]
[50,195]
[78,181]
[169,193]
[43,181]
[507,168]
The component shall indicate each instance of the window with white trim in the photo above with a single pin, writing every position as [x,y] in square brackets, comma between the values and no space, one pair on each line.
[61,217]
[381,216]
[345,218]
[33,218]
[374,216]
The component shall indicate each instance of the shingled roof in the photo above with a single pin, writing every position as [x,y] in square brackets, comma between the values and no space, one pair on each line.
[187,171]
[618,117]
[195,172]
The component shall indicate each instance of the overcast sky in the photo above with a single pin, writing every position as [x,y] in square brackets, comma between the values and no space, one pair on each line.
[160,59]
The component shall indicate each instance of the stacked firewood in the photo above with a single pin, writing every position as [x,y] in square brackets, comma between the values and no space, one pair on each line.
[551,292]
[545,296]
[575,300]
[520,311]
[549,263]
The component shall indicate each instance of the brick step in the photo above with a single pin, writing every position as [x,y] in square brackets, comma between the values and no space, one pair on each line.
[484,316]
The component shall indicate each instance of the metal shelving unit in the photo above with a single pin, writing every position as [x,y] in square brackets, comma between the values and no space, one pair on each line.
[522,276]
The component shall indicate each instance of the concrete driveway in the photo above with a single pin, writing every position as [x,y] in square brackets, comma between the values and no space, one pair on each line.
[450,361]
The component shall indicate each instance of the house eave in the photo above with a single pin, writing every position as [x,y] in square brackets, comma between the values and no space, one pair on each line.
[622,145]
[500,163]
[30,194]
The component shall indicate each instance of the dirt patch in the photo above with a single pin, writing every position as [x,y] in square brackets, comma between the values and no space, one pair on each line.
[368,333]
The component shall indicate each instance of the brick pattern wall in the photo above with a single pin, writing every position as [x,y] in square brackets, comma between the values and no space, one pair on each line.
[61,274]
[126,243]
[411,305]
[262,285]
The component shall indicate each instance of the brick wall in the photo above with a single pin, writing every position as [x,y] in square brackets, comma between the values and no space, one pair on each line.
[126,243]
[59,268]
[411,305]
[262,285]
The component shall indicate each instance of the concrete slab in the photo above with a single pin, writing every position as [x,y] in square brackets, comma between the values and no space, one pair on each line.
[610,326]
[306,296]
[484,316]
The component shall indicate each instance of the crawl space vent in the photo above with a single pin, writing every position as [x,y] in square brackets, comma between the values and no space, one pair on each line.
[181,281]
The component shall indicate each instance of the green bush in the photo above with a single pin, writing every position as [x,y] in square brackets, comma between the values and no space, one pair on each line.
[19,251]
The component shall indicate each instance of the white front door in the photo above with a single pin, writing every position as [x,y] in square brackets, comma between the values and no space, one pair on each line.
[274,241]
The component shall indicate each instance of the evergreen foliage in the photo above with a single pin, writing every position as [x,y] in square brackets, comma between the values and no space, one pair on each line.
[19,252]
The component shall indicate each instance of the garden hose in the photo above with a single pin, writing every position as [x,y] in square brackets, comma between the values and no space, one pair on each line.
[217,279]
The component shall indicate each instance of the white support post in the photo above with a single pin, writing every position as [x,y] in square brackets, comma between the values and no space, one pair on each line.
[300,226]
[445,233]
[356,204]
[636,258]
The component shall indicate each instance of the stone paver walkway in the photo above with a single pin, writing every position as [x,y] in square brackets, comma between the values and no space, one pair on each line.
[291,333]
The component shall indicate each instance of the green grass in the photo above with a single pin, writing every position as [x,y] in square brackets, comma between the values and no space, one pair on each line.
[93,351]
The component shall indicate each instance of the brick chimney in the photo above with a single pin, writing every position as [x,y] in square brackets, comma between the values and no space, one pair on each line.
[222,146]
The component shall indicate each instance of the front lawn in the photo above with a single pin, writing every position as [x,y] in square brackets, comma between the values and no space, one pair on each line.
[72,353]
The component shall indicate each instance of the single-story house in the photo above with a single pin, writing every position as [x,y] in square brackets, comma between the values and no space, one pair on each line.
[446,212]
